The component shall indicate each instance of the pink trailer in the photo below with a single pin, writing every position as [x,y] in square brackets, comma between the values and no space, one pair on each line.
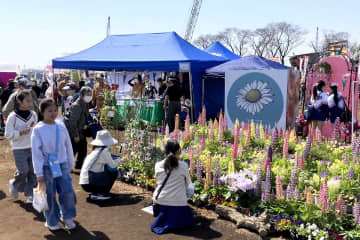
[7,71]
[342,73]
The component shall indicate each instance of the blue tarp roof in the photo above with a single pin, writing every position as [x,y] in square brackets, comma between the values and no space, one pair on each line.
[246,63]
[148,51]
[220,50]
[144,52]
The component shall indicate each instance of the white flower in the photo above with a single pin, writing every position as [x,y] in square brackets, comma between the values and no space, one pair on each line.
[254,96]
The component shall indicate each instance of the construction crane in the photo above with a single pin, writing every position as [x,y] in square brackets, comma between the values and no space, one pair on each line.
[194,14]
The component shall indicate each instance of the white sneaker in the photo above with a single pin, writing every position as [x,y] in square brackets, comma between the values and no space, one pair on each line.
[69,224]
[53,228]
[29,199]
[13,192]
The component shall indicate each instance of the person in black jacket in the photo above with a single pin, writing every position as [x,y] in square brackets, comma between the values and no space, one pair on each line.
[7,92]
[162,87]
[172,103]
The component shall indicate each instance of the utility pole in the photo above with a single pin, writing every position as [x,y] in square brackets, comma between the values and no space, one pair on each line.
[108,30]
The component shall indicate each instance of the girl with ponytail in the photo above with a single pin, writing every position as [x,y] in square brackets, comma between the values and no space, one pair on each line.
[170,200]
[336,103]
[320,105]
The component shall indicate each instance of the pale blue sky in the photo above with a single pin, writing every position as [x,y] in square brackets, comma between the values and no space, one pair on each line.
[33,32]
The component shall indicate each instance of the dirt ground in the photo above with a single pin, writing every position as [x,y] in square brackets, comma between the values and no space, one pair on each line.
[121,218]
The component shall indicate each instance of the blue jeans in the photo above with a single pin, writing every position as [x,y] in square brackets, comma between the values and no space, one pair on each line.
[67,199]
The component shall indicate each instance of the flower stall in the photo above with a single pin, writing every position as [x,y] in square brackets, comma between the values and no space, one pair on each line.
[267,180]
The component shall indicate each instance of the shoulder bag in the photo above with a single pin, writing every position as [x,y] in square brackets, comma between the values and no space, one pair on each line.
[53,157]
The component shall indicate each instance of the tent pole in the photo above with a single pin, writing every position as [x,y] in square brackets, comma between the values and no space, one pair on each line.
[203,91]
[191,97]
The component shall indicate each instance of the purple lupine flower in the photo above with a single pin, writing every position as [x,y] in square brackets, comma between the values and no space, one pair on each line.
[351,173]
[241,133]
[216,179]
[274,137]
[293,180]
[296,194]
[288,193]
[258,180]
[267,184]
[323,174]
[338,177]
[346,160]
[257,132]
[307,147]
[356,212]
[355,143]
[273,196]
[322,162]
[199,170]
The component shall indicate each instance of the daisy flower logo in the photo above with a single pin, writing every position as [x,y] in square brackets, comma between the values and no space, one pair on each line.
[254,96]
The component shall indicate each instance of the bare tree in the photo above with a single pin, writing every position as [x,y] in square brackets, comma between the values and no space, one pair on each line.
[261,40]
[286,37]
[204,41]
[236,40]
[355,50]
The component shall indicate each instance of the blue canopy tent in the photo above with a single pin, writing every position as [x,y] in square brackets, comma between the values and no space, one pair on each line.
[220,50]
[145,52]
[214,80]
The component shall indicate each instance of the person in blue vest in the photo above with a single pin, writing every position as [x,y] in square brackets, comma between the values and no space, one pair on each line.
[320,104]
[336,103]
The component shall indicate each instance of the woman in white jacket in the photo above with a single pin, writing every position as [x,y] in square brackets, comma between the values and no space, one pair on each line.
[336,103]
[99,170]
[319,101]
[172,179]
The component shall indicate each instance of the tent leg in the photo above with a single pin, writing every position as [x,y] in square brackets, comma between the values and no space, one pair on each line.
[203,91]
[191,97]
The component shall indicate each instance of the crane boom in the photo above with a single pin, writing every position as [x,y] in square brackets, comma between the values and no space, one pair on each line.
[194,14]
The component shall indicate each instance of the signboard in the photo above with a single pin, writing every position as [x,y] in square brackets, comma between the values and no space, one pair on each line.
[338,48]
[258,95]
[184,67]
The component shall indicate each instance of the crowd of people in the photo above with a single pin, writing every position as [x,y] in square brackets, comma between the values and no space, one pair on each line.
[45,147]
[323,107]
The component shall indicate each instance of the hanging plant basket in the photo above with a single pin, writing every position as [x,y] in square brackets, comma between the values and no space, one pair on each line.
[324,67]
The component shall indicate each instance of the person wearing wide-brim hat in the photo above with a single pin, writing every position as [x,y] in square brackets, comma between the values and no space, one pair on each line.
[336,103]
[99,170]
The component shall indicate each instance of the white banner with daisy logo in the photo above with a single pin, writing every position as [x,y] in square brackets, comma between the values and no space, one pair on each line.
[258,95]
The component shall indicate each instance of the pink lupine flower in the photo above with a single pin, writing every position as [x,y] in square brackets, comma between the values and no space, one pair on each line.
[340,205]
[279,188]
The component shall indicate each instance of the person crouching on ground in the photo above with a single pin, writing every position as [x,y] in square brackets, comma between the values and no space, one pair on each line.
[172,179]
[51,144]
[99,170]
[18,130]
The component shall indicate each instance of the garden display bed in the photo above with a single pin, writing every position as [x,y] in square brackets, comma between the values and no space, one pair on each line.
[265,179]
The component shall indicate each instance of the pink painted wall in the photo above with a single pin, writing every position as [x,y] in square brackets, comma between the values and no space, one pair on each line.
[340,67]
[5,76]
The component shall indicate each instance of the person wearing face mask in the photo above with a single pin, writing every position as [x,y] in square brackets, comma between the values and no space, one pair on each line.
[76,121]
